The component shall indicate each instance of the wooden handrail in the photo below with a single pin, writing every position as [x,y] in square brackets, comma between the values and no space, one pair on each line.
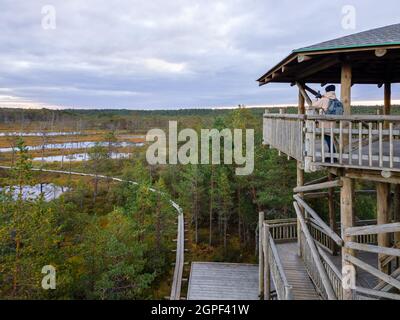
[273,265]
[385,260]
[333,272]
[373,249]
[383,286]
[288,116]
[362,141]
[315,255]
[321,237]
[371,118]
[319,180]
[379,274]
[280,221]
[318,186]
[376,229]
[329,262]
[285,133]
[268,107]
[283,230]
[180,260]
[319,221]
[379,294]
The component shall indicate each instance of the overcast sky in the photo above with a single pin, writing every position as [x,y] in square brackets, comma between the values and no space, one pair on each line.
[165,54]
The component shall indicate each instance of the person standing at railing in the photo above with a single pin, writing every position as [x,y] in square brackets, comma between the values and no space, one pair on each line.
[328,104]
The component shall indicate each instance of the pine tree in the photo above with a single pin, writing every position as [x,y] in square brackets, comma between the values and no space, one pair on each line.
[224,201]
[191,194]
[29,236]
[116,259]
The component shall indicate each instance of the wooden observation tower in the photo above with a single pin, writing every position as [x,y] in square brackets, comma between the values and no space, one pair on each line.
[343,256]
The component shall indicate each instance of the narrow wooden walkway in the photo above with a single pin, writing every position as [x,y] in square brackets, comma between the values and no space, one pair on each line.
[223,281]
[296,273]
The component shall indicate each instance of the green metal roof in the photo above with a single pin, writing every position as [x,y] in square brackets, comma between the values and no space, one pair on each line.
[385,36]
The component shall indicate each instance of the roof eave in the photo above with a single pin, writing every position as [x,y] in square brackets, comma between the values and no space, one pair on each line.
[343,48]
[302,52]
[288,59]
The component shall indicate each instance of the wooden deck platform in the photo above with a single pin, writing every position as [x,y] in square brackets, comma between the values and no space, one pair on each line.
[296,273]
[223,281]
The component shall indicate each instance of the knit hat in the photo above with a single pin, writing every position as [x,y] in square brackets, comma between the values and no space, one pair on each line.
[330,88]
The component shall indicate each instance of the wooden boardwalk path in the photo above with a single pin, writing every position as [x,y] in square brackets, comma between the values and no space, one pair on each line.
[296,273]
[223,281]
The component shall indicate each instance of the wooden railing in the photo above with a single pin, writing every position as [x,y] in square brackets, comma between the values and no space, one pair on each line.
[392,261]
[365,238]
[382,251]
[385,287]
[367,142]
[273,267]
[312,259]
[285,133]
[321,237]
[283,230]
[180,259]
[286,230]
[314,217]
[359,141]
[333,273]
[317,240]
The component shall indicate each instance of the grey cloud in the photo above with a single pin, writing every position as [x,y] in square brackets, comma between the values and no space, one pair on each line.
[165,54]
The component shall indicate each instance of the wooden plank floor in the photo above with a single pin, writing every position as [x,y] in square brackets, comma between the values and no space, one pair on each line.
[223,281]
[296,273]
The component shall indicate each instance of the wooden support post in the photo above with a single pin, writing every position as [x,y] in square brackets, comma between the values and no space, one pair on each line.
[267,272]
[303,98]
[331,209]
[387,101]
[383,217]
[260,255]
[300,170]
[396,211]
[304,94]
[347,220]
[346,81]
[302,101]
[300,183]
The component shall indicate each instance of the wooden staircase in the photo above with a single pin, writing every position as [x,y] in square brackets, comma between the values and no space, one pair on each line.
[296,272]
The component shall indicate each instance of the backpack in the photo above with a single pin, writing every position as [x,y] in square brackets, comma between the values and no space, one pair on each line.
[335,107]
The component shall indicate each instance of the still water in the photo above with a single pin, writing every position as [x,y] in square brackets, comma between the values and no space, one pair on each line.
[50,191]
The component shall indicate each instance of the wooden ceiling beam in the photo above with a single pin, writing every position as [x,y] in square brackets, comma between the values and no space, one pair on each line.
[380,52]
[303,58]
[319,66]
